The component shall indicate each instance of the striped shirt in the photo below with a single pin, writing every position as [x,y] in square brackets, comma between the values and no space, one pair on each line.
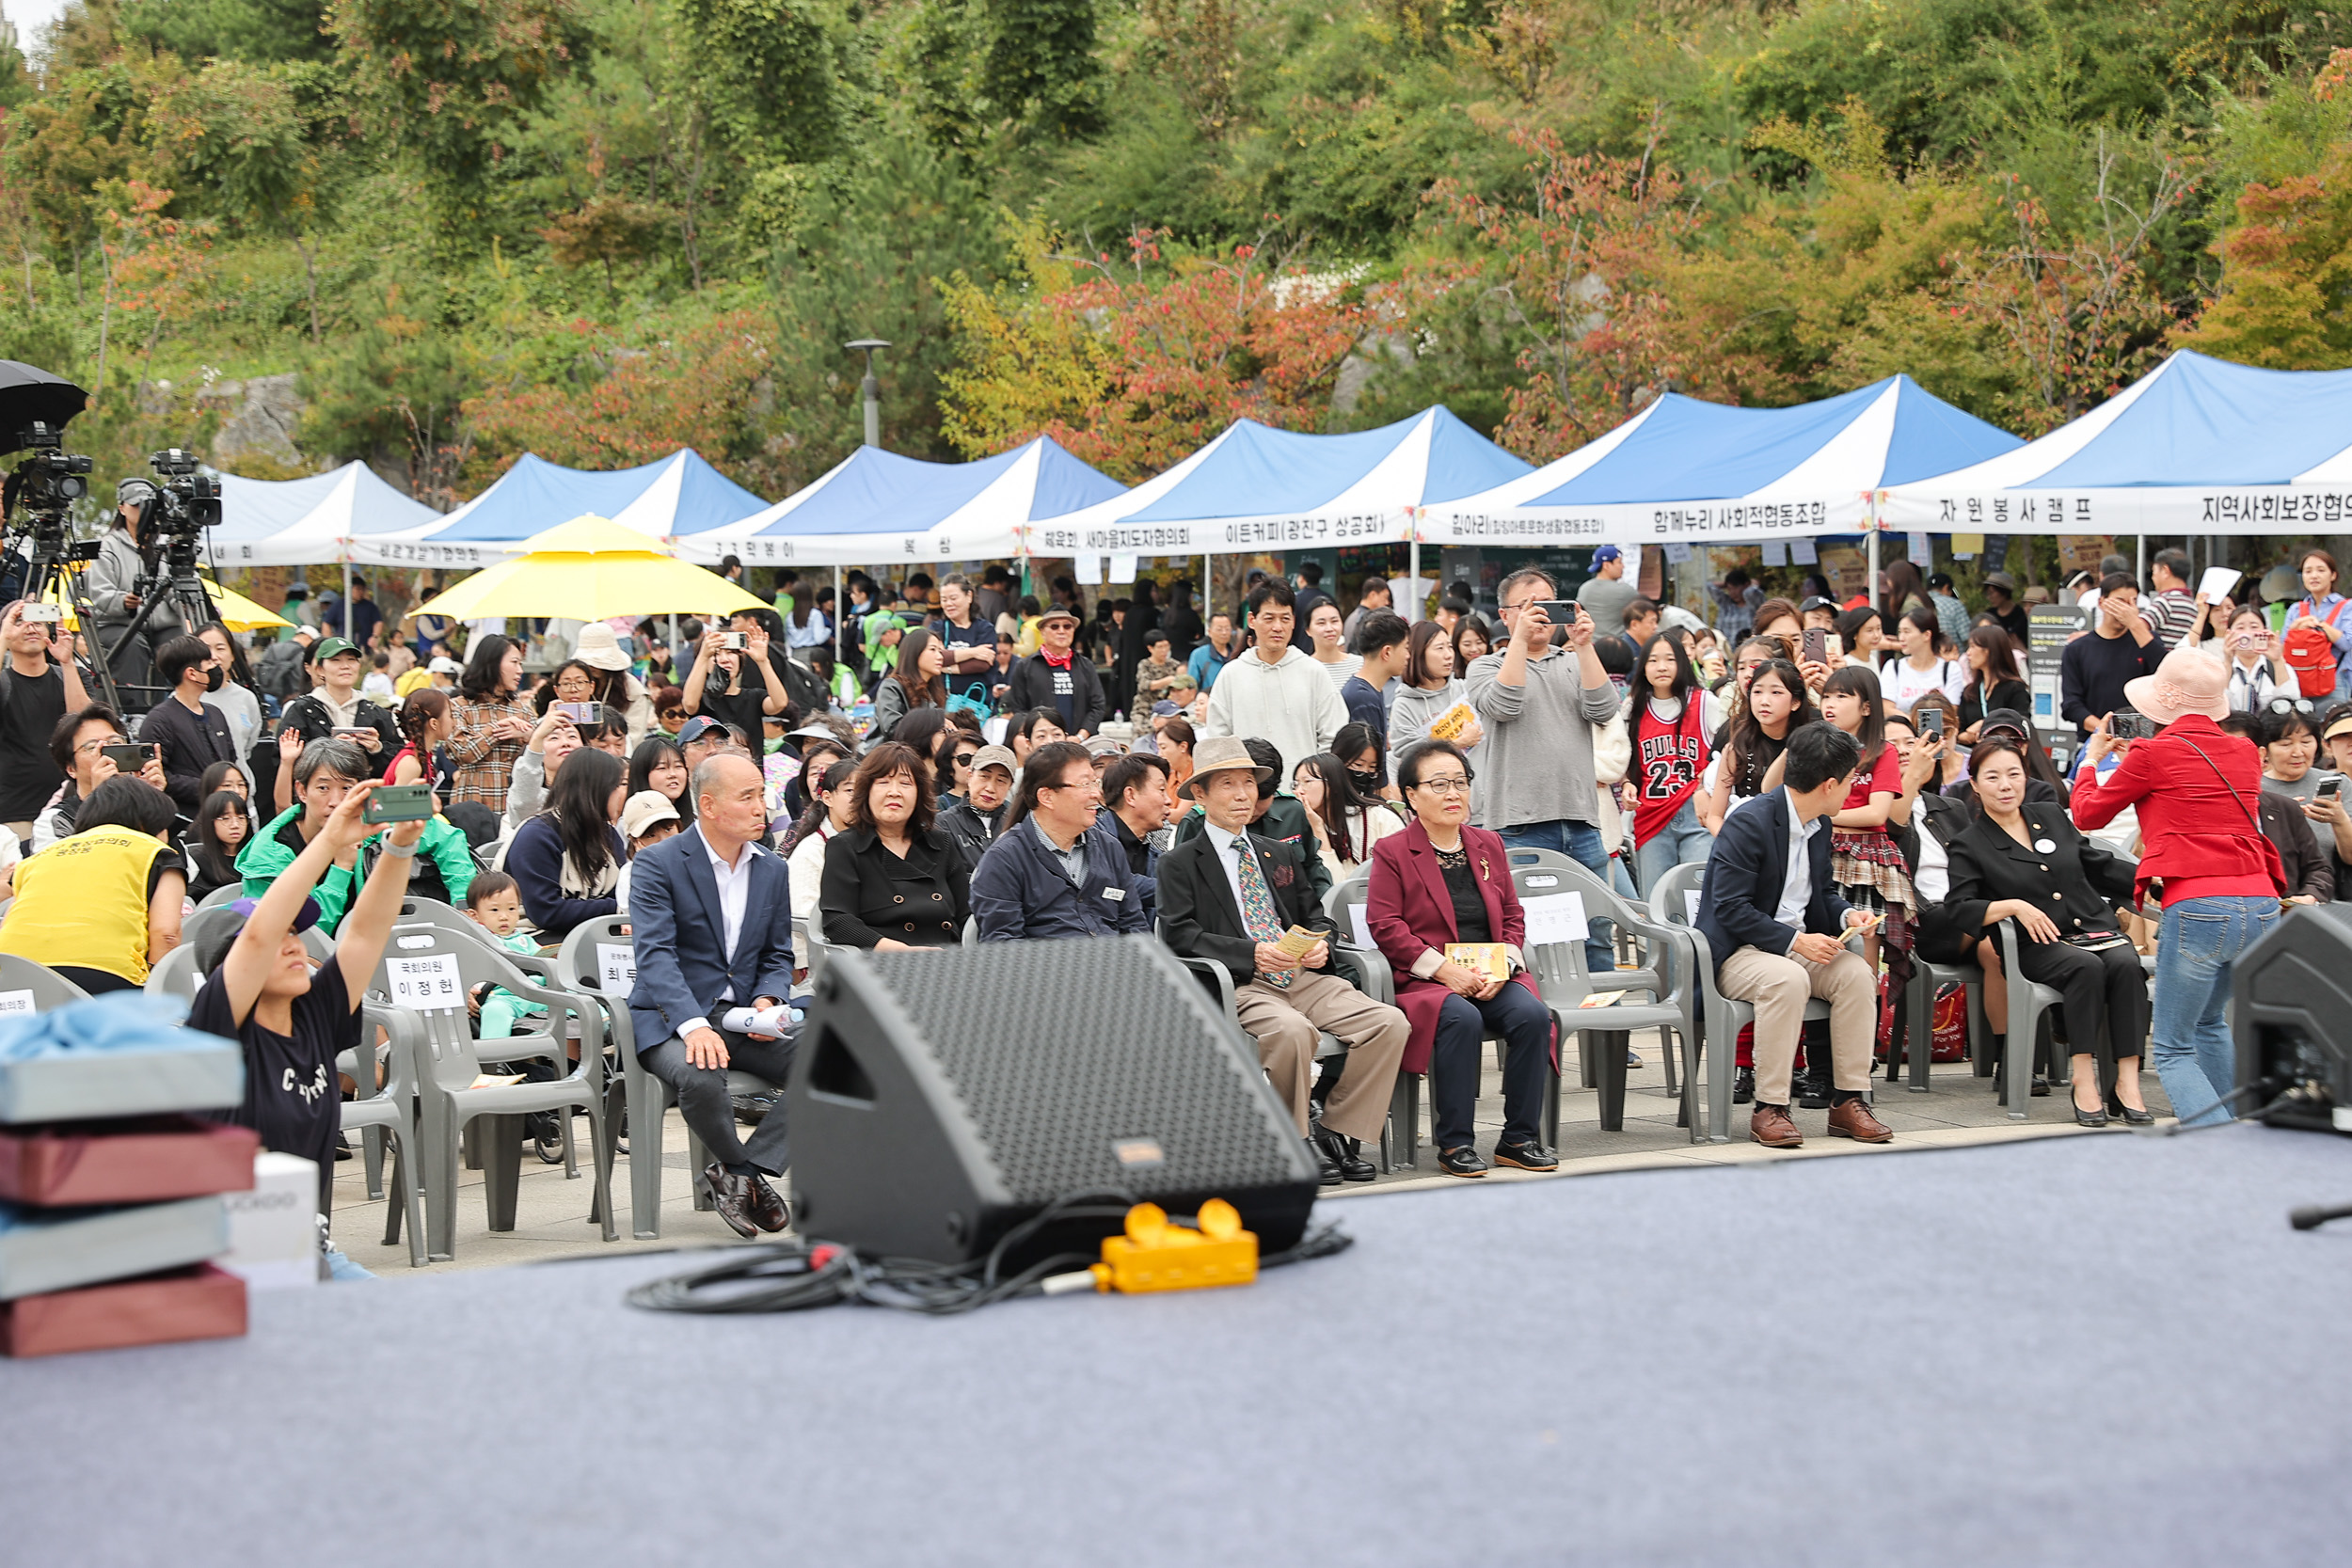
[2170,613]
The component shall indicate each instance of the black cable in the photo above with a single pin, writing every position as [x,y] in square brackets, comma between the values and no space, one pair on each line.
[2180,1124]
[793,1276]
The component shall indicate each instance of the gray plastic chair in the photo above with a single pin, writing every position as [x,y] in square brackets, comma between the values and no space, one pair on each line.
[220,896]
[1916,1035]
[447,1064]
[389,1112]
[1648,951]
[646,1098]
[175,975]
[1723,1018]
[49,988]
[2028,1003]
[1604,1035]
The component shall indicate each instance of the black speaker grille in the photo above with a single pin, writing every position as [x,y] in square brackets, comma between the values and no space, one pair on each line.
[1053,1084]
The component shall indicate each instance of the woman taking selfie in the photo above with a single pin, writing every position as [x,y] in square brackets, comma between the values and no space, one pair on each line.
[2028,862]
[893,882]
[2257,673]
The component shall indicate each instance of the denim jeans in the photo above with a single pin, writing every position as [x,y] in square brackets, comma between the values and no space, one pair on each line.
[2196,945]
[1683,841]
[1580,842]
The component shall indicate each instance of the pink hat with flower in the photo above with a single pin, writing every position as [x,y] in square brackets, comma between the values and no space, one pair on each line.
[2188,681]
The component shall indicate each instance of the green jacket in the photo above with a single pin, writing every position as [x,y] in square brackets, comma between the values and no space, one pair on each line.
[269,853]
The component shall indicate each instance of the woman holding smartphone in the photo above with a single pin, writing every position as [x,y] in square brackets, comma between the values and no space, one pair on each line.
[2290,749]
[2257,673]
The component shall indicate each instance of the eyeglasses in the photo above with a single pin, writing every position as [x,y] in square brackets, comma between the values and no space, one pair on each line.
[1453,784]
[99,744]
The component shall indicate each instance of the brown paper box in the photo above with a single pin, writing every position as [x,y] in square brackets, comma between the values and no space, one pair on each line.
[200,1301]
[145,1160]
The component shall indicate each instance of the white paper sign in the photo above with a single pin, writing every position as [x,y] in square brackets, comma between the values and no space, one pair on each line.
[1922,553]
[1678,553]
[1802,551]
[427,983]
[616,968]
[1088,568]
[1123,568]
[1775,552]
[1553,917]
[15,1002]
[2216,581]
[1691,906]
[1359,917]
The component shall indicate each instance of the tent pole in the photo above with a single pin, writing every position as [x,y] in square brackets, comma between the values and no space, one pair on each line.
[2140,572]
[1871,594]
[347,608]
[1412,577]
[840,603]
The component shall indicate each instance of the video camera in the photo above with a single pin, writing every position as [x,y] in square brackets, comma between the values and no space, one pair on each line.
[188,503]
[34,408]
[50,480]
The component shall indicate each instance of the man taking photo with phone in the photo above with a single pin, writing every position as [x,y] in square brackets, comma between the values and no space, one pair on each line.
[38,686]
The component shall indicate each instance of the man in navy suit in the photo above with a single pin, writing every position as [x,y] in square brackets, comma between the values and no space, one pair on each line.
[710,914]
[1053,872]
[1773,920]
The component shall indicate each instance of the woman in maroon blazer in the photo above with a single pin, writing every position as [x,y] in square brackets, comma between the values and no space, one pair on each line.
[1443,881]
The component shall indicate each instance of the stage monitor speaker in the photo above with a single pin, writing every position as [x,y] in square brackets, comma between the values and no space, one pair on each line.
[940,1098]
[2291,1017]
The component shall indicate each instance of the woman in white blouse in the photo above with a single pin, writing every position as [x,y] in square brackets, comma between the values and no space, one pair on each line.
[2257,673]
[1918,672]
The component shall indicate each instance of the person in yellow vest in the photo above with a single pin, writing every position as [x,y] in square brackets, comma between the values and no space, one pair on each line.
[101,907]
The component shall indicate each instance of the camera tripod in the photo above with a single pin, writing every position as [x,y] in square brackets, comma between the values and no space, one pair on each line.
[176,585]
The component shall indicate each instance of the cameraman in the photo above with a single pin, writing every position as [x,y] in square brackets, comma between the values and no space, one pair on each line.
[113,583]
[38,686]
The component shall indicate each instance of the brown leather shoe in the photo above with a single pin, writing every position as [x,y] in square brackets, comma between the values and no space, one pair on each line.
[731,1196]
[1770,1126]
[1854,1121]
[768,1209]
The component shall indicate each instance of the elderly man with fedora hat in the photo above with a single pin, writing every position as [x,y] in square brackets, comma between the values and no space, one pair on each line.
[1059,677]
[1230,896]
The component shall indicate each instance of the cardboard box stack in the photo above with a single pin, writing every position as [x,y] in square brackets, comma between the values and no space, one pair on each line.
[110,1192]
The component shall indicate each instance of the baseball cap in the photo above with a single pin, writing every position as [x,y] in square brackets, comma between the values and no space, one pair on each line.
[1164,709]
[1604,554]
[698,727]
[996,756]
[1103,746]
[445,666]
[643,810]
[2005,718]
[1816,602]
[135,489]
[330,648]
[217,931]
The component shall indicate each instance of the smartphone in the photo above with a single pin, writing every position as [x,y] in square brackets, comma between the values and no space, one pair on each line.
[128,759]
[2127,724]
[581,713]
[1560,612]
[45,614]
[411,802]
[2330,789]
[354,733]
[1816,645]
[1932,722]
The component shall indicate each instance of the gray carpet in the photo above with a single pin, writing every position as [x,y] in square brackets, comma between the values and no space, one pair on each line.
[2089,1350]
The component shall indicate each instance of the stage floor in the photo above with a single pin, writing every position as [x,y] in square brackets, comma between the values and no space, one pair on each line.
[2084,1350]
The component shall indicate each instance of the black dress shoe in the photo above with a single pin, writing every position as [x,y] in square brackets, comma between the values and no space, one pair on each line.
[1327,1168]
[1813,1092]
[2040,1086]
[768,1209]
[1743,1086]
[2141,1117]
[1461,1161]
[1526,1156]
[731,1196]
[1346,1153]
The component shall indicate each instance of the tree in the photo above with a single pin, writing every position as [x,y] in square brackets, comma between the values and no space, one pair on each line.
[1041,67]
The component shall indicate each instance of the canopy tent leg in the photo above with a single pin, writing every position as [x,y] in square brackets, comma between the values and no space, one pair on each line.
[1873,594]
[2139,573]
[346,619]
[674,647]
[840,603]
[1413,578]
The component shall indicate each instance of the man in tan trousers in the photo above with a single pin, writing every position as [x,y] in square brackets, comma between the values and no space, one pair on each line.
[1231,896]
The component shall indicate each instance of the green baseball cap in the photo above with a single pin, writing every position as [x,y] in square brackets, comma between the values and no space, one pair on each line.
[332,647]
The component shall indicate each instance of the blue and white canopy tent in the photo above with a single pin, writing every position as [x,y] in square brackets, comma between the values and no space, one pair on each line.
[305,522]
[679,493]
[1686,471]
[2196,446]
[875,506]
[1259,488]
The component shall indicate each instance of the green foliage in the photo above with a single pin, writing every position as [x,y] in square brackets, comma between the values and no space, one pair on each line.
[262,31]
[1041,67]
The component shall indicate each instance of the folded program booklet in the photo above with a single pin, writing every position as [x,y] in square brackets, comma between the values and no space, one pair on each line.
[1452,724]
[1488,958]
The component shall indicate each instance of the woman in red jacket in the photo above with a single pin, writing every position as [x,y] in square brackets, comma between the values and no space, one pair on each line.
[2199,790]
[1442,880]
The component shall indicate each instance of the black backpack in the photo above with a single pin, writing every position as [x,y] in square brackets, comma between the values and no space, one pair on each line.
[279,670]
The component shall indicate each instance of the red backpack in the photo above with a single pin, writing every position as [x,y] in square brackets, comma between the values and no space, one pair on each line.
[2311,653]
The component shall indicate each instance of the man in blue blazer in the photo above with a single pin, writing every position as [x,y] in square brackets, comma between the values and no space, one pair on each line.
[1054,872]
[1774,922]
[711,916]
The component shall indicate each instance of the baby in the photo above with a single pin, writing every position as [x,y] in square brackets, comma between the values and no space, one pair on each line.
[496,904]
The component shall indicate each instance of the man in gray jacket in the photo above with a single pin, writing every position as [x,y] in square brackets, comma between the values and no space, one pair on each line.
[1541,706]
[113,583]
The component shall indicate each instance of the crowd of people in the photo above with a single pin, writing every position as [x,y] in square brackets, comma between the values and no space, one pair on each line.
[935,763]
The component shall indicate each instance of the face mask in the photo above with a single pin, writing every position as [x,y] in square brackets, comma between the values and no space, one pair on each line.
[214,679]
[772,747]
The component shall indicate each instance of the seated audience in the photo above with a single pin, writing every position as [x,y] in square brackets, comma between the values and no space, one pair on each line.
[1995,680]
[1281,816]
[1136,808]
[803,848]
[427,721]
[101,908]
[2042,784]
[893,882]
[230,776]
[78,747]
[1439,882]
[292,1021]
[553,739]
[659,765]
[2030,863]
[495,905]
[223,823]
[973,821]
[647,818]
[1774,919]
[1037,727]
[1231,896]
[1053,870]
[567,860]
[1347,819]
[712,924]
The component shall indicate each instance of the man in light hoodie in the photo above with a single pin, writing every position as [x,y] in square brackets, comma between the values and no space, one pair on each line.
[1274,690]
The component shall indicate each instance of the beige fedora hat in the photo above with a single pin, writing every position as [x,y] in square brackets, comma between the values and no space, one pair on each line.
[1216,755]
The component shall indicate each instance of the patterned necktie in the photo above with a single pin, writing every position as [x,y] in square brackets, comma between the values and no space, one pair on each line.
[1257,908]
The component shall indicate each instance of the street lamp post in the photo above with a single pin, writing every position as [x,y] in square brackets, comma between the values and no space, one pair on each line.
[871,389]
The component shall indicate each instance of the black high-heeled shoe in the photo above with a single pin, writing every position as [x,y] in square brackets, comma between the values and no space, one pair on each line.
[2087,1119]
[2141,1117]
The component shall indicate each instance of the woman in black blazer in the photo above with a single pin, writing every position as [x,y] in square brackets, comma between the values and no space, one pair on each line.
[894,882]
[2027,862]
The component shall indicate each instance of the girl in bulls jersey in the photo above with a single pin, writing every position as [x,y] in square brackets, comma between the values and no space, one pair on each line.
[1668,722]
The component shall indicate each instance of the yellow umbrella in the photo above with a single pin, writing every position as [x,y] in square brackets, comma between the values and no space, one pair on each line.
[591,569]
[236,612]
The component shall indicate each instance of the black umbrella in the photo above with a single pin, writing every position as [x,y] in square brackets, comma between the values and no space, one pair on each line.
[28,393]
